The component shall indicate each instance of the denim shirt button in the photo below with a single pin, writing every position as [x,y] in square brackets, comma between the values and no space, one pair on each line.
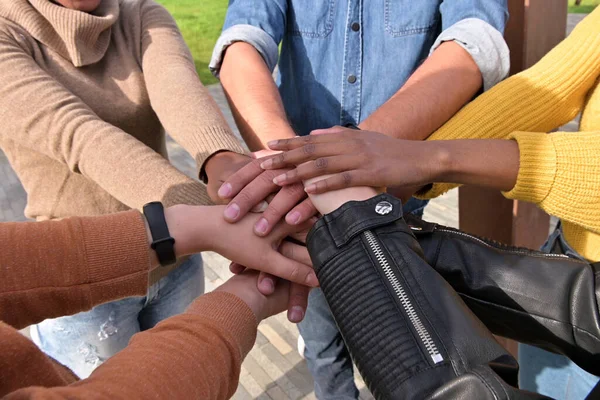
[352,79]
[356,27]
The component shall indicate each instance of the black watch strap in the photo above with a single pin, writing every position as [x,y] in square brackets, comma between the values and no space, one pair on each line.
[162,242]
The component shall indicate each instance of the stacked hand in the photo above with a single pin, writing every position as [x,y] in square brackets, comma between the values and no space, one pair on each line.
[353,158]
[253,198]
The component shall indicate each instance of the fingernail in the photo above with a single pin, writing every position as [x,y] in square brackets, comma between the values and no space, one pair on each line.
[267,285]
[261,226]
[296,314]
[311,280]
[293,218]
[266,164]
[272,143]
[224,191]
[278,179]
[310,188]
[260,207]
[232,211]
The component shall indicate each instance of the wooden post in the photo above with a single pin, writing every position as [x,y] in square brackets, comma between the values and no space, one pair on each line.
[534,28]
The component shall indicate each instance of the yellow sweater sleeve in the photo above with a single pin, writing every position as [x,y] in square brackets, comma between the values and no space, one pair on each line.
[540,99]
[560,172]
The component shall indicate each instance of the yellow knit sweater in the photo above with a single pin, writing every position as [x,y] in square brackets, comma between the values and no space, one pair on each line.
[560,172]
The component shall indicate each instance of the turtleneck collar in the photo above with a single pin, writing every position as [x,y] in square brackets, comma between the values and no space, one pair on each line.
[80,37]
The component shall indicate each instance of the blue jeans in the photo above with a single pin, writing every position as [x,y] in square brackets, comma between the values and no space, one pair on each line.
[551,374]
[325,352]
[84,341]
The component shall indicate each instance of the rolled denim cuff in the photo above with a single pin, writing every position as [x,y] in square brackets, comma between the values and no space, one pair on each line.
[252,35]
[484,43]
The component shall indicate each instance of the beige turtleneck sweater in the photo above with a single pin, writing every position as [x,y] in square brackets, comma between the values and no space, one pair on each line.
[85,100]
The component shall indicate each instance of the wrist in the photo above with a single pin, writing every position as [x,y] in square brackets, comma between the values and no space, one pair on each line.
[220,162]
[441,164]
[188,226]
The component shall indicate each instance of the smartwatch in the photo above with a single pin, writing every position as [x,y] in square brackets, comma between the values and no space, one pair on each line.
[162,242]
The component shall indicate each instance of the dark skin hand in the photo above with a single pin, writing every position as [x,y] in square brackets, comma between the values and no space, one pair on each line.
[363,158]
[355,158]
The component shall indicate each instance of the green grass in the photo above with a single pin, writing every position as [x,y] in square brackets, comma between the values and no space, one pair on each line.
[586,7]
[200,22]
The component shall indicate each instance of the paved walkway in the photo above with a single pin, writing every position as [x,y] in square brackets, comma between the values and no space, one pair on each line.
[273,370]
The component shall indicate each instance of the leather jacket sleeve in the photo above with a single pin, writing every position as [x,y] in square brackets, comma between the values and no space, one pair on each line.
[547,300]
[409,333]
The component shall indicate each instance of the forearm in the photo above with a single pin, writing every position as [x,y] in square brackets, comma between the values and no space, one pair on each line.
[488,163]
[445,82]
[195,355]
[56,268]
[330,201]
[255,103]
[184,106]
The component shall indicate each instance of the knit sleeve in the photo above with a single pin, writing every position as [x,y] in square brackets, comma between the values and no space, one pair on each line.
[56,268]
[194,355]
[560,172]
[540,99]
[38,113]
[182,103]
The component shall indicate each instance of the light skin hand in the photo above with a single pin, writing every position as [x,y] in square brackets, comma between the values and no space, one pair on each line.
[298,299]
[251,185]
[244,286]
[219,168]
[201,228]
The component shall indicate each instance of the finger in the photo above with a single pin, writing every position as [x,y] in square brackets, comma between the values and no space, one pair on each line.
[282,203]
[236,182]
[311,151]
[297,303]
[294,143]
[301,213]
[291,270]
[320,167]
[255,192]
[260,207]
[262,153]
[295,252]
[283,230]
[336,182]
[266,283]
[236,268]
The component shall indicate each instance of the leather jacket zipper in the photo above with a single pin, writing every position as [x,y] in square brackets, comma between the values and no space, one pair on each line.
[498,246]
[424,337]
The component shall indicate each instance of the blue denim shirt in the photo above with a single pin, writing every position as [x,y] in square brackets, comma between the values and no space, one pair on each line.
[342,59]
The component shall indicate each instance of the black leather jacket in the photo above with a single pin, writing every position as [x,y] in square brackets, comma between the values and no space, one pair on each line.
[417,303]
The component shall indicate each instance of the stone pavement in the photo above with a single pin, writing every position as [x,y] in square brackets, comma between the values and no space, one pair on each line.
[273,370]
